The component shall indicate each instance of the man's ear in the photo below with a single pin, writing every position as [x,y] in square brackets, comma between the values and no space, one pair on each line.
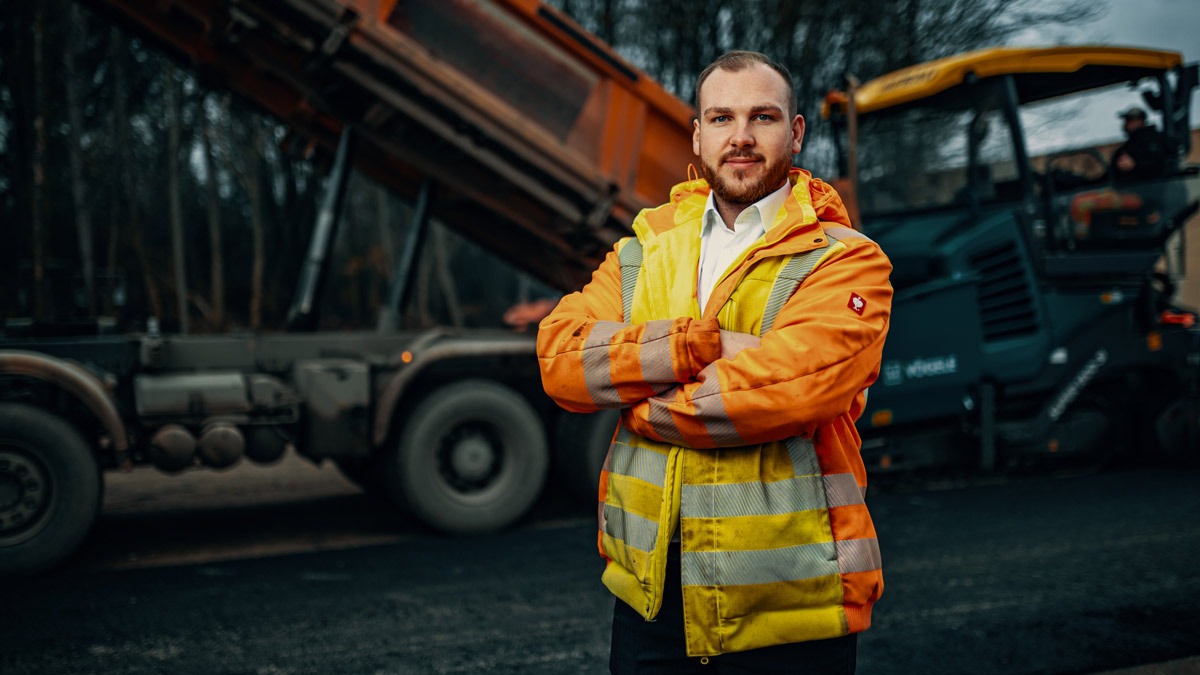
[797,133]
[696,136]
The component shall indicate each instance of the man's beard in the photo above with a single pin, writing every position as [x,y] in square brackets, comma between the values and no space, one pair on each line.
[773,175]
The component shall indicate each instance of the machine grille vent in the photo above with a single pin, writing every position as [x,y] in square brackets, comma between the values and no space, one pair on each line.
[1005,302]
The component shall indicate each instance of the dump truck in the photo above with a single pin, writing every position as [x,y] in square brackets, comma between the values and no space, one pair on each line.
[502,119]
[1034,318]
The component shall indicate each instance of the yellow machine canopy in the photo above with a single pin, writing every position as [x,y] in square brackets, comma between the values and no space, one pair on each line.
[1041,73]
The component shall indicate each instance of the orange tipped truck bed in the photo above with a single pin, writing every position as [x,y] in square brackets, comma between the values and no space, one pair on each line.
[540,141]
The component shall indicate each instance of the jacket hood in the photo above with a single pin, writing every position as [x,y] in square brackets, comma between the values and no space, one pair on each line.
[827,202]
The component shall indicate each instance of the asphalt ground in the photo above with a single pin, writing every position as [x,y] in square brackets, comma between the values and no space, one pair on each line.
[259,572]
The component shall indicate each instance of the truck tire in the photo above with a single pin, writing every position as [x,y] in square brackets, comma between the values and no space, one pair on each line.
[49,489]
[1177,432]
[471,458]
[580,446]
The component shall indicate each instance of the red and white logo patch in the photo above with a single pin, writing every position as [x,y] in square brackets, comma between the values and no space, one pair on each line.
[857,303]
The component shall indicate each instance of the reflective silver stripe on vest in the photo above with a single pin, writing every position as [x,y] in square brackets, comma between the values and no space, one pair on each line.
[793,495]
[630,259]
[636,531]
[645,465]
[791,563]
[736,568]
[786,283]
[731,500]
[804,456]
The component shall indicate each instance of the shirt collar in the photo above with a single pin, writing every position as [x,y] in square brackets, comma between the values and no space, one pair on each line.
[765,208]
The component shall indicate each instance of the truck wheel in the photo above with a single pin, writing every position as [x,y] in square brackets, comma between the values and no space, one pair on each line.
[471,458]
[580,445]
[1178,432]
[49,488]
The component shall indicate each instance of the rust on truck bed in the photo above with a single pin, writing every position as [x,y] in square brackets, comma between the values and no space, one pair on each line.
[542,142]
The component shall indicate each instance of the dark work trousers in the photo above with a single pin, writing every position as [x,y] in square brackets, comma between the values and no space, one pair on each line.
[641,647]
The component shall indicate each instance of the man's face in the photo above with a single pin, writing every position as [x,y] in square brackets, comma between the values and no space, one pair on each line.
[743,136]
[1132,124]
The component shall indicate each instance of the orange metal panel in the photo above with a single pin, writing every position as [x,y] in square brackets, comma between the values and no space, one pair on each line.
[543,141]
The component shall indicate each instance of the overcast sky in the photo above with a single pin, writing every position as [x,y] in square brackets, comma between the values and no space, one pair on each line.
[1156,24]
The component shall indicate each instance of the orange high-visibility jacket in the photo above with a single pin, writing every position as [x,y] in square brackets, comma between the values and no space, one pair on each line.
[737,426]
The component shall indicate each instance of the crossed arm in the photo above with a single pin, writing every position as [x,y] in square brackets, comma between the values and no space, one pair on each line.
[687,381]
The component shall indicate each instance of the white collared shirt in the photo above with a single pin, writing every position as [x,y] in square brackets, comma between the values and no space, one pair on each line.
[720,246]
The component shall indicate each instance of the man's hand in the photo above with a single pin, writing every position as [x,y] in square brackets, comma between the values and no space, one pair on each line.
[1125,163]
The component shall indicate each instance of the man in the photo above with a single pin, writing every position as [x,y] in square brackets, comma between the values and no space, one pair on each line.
[1144,154]
[737,332]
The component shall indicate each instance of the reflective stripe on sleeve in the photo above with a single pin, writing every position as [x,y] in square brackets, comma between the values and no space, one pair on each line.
[660,419]
[710,410]
[859,555]
[654,355]
[842,489]
[597,372]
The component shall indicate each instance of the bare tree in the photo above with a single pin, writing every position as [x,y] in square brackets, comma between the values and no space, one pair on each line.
[212,202]
[130,229]
[179,265]
[83,211]
[253,184]
[819,41]
[243,158]
[116,122]
[41,303]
